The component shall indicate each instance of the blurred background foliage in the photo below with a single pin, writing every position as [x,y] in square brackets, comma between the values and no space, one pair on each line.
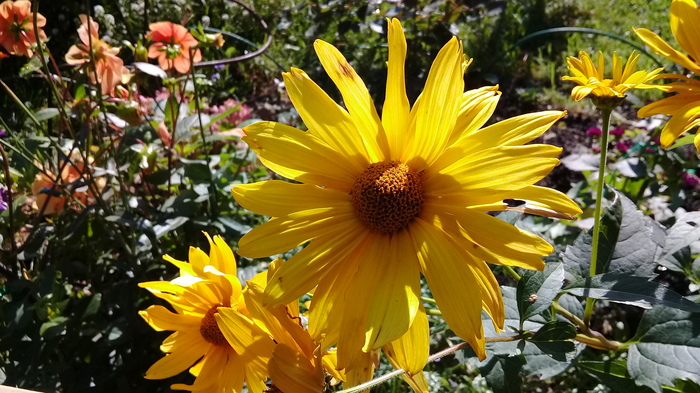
[68,312]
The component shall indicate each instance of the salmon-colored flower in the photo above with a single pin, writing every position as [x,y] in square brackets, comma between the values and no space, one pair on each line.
[52,192]
[171,46]
[109,67]
[17,33]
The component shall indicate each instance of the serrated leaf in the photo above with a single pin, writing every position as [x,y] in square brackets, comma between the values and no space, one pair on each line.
[512,320]
[632,290]
[629,242]
[536,290]
[555,331]
[667,348]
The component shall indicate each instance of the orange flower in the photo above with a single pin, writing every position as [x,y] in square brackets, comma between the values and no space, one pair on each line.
[17,27]
[109,67]
[51,191]
[172,43]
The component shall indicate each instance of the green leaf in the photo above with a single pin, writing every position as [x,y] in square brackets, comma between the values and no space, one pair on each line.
[555,331]
[614,375]
[676,253]
[667,348]
[502,374]
[629,241]
[682,141]
[54,327]
[536,290]
[632,290]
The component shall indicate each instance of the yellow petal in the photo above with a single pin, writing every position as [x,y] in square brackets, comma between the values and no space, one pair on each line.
[303,271]
[683,120]
[175,362]
[410,351]
[284,233]
[361,371]
[548,198]
[291,371]
[356,98]
[659,46]
[328,302]
[255,380]
[250,342]
[209,370]
[326,119]
[526,250]
[278,198]
[475,110]
[395,114]
[515,131]
[492,299]
[300,156]
[452,283]
[437,110]
[494,170]
[160,318]
[387,287]
[685,25]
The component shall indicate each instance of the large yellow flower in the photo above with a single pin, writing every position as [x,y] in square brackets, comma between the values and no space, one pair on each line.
[591,78]
[221,355]
[684,107]
[381,201]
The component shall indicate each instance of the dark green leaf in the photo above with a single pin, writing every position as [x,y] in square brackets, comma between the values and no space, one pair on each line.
[636,291]
[536,290]
[667,348]
[614,375]
[548,359]
[555,331]
[502,373]
[628,243]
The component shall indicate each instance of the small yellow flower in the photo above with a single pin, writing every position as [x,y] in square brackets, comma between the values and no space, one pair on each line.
[590,77]
[684,107]
[221,356]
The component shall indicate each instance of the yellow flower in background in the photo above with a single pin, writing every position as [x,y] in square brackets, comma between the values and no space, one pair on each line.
[381,201]
[684,107]
[590,76]
[220,356]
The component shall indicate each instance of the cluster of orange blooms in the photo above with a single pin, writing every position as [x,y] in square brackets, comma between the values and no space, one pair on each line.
[171,45]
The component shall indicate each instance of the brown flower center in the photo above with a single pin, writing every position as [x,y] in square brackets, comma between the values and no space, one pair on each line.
[210,330]
[387,196]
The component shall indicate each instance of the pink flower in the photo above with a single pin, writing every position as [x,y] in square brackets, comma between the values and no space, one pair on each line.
[594,131]
[617,131]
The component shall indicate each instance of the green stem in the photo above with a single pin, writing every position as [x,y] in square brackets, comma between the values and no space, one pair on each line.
[590,303]
[511,272]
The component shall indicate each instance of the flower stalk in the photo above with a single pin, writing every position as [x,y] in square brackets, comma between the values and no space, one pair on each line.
[606,113]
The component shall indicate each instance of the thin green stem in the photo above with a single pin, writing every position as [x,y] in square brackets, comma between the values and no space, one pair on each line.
[511,272]
[590,303]
[428,300]
[432,311]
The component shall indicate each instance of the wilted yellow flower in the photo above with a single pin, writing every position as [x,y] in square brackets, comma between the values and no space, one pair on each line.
[221,356]
[590,77]
[381,200]
[684,107]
